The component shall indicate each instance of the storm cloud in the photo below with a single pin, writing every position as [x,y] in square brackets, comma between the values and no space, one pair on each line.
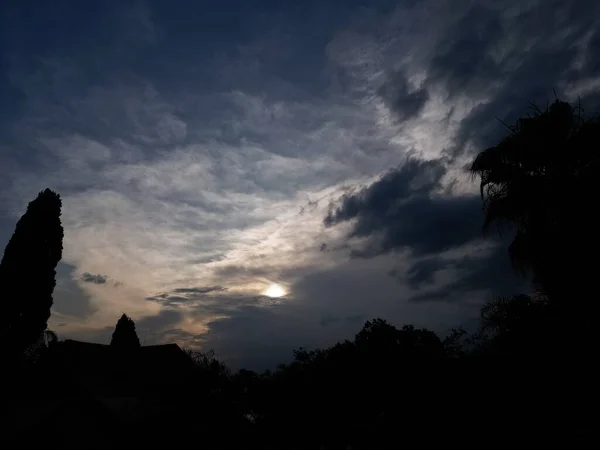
[406,209]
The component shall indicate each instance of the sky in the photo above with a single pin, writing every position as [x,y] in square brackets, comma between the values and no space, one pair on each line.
[256,176]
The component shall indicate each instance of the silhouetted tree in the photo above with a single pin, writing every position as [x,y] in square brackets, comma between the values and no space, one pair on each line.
[541,181]
[521,325]
[504,314]
[454,343]
[384,340]
[124,337]
[213,373]
[27,273]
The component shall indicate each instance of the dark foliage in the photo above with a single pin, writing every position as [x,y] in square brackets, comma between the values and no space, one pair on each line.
[387,387]
[540,181]
[27,273]
[124,337]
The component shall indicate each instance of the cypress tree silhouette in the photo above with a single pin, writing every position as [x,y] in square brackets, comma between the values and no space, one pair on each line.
[124,337]
[27,273]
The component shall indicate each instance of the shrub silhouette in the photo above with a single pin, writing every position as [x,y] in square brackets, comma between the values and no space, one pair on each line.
[27,273]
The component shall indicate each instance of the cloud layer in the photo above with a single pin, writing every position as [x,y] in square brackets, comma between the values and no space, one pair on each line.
[205,153]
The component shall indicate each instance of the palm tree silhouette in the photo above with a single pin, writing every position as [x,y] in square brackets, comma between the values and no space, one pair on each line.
[539,182]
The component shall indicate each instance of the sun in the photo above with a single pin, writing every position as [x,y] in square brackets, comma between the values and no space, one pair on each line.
[274,290]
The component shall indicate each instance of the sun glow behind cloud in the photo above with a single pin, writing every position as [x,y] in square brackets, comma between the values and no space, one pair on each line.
[275,290]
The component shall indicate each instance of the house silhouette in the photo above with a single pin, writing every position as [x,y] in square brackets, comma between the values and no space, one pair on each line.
[100,391]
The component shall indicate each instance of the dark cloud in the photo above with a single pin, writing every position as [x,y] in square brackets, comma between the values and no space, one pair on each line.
[414,178]
[210,300]
[397,95]
[170,299]
[492,272]
[515,59]
[324,307]
[234,270]
[426,225]
[489,274]
[200,290]
[186,295]
[592,57]
[533,43]
[96,279]
[165,319]
[355,319]
[183,338]
[257,335]
[463,61]
[257,338]
[422,273]
[397,213]
[328,320]
[87,277]
[208,259]
[402,211]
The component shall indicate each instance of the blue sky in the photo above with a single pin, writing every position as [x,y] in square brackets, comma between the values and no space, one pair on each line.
[205,151]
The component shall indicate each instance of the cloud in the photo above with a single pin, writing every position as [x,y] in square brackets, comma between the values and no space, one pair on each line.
[513,56]
[411,212]
[354,319]
[165,319]
[466,59]
[190,158]
[200,290]
[71,302]
[328,320]
[406,209]
[405,102]
[87,277]
[484,271]
[189,296]
[325,307]
[213,301]
[253,338]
